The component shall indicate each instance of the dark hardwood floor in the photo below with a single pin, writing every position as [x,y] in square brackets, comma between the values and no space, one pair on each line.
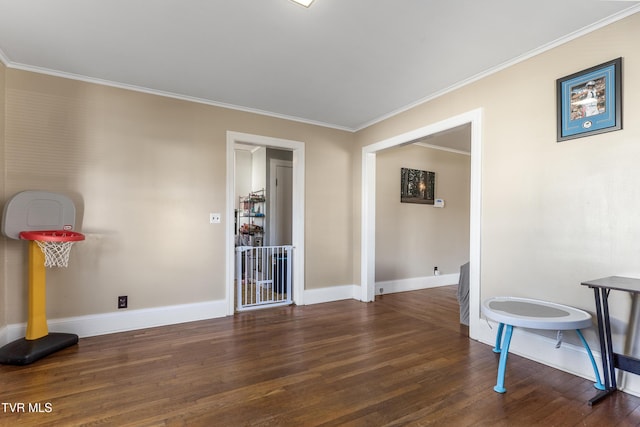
[403,360]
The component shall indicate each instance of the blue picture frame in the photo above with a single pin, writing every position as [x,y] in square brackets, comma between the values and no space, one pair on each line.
[590,102]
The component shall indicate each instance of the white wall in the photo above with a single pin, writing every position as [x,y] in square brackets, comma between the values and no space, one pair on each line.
[244,173]
[259,169]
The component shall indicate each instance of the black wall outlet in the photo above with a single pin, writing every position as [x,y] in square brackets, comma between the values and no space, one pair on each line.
[122,301]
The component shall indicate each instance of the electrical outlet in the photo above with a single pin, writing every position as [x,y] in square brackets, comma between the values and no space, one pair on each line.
[214,218]
[123,301]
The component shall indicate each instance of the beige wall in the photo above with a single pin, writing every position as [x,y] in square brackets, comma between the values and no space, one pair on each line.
[553,214]
[412,238]
[144,172]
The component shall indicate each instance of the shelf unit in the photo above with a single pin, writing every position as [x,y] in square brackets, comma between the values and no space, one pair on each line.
[251,218]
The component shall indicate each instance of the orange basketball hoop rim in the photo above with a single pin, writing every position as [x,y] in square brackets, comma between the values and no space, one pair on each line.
[55,244]
[52,235]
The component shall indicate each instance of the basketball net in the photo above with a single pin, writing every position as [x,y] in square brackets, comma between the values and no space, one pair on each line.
[56,254]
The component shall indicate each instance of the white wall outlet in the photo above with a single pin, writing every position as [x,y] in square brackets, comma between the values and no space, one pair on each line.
[214,218]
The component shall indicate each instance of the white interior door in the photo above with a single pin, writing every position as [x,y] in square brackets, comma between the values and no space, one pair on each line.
[281,202]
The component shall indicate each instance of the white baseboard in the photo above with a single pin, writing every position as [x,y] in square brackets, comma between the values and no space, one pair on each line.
[628,382]
[337,293]
[334,293]
[129,320]
[415,283]
[124,320]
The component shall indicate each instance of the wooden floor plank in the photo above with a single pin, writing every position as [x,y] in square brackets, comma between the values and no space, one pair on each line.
[402,360]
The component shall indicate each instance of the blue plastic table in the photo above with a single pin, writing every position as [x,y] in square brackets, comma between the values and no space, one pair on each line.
[533,314]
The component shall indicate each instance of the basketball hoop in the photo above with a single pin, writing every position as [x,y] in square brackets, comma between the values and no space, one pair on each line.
[55,244]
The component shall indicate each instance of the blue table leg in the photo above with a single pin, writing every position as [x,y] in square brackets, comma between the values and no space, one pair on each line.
[496,349]
[598,383]
[502,367]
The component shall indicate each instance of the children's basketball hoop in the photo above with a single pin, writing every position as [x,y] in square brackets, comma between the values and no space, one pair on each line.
[55,244]
[46,220]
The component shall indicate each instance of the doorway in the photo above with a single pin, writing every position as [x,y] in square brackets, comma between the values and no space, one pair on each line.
[420,243]
[297,208]
[368,205]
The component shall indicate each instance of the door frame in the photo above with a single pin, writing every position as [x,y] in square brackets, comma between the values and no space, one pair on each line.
[297,220]
[368,206]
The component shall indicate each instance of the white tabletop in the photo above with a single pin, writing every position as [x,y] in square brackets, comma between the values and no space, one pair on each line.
[535,314]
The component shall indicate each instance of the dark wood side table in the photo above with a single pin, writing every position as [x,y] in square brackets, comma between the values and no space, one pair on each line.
[610,359]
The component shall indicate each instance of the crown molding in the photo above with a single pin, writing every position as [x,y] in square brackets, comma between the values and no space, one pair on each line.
[576,34]
[441,148]
[102,82]
[558,42]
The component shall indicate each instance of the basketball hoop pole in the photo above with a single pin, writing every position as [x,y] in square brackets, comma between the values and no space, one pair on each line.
[37,304]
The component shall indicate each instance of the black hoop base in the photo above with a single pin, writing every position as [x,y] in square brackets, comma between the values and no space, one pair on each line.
[24,352]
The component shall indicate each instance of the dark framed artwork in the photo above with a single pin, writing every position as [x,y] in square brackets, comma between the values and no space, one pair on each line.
[589,102]
[417,186]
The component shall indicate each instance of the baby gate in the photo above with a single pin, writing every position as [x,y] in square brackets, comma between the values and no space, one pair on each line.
[263,276]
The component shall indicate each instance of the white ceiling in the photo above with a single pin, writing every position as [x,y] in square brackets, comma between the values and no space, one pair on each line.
[340,63]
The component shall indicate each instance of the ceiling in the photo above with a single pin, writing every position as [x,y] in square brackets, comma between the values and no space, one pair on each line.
[340,63]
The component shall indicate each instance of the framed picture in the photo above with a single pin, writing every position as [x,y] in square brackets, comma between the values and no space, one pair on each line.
[590,101]
[417,186]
